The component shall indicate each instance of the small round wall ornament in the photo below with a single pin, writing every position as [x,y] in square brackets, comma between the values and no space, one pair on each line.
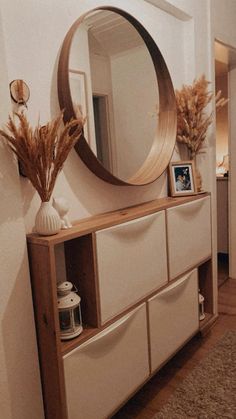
[20,92]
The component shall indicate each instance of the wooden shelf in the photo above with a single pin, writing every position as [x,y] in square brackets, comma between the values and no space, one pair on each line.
[108,219]
[206,284]
[203,322]
[207,323]
[69,345]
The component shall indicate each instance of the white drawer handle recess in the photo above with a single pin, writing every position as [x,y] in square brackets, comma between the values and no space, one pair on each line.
[138,226]
[191,208]
[175,286]
[109,336]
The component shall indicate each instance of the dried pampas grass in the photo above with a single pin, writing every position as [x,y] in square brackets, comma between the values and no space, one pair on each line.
[42,151]
[192,120]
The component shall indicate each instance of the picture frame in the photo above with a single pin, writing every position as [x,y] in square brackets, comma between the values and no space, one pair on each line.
[78,90]
[182,177]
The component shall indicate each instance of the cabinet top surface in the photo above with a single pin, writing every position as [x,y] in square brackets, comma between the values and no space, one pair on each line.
[221,178]
[108,219]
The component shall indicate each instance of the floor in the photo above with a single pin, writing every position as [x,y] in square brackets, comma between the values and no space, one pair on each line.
[156,392]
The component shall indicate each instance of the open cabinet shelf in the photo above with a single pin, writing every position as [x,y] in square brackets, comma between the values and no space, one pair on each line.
[206,289]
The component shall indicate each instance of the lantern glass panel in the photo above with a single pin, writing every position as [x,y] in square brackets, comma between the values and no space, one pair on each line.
[65,320]
[77,316]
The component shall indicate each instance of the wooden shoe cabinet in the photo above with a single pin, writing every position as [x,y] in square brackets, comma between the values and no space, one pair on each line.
[138,272]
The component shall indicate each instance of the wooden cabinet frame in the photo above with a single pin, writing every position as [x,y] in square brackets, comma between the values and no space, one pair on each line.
[80,257]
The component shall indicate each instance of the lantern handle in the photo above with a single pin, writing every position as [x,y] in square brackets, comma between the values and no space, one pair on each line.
[75,288]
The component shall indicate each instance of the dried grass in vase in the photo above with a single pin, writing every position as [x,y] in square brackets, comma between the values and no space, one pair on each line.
[42,151]
[192,120]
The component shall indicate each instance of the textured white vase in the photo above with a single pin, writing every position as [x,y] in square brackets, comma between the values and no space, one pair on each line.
[47,221]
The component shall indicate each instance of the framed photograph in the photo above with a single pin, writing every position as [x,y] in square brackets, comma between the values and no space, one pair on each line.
[182,178]
[78,90]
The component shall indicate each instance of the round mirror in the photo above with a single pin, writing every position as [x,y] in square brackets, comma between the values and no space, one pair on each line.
[111,72]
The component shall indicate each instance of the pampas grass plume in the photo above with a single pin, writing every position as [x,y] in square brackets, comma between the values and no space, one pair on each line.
[43,150]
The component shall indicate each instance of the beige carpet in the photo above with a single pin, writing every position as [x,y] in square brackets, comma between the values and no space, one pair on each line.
[209,391]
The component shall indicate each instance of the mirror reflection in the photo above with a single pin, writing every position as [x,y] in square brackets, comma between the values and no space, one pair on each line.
[113,83]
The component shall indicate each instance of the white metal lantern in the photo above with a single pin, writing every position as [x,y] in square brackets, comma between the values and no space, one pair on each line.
[201,307]
[69,311]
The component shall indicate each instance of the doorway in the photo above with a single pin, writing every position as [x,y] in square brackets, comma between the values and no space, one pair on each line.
[225,59]
[102,130]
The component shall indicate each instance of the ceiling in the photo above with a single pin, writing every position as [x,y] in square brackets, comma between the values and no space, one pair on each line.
[112,33]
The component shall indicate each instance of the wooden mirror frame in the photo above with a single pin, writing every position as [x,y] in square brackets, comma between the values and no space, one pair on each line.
[156,161]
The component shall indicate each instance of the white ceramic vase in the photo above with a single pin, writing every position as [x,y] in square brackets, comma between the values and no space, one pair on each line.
[47,221]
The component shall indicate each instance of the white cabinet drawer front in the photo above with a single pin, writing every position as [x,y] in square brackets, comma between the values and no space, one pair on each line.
[103,372]
[132,262]
[173,317]
[189,235]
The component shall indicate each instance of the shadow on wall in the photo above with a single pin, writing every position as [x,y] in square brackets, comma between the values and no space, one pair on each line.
[9,184]
[97,195]
[18,360]
[86,194]
[28,192]
[20,351]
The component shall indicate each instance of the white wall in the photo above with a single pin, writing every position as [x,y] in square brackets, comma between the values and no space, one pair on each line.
[33,33]
[134,87]
[232,177]
[102,86]
[51,21]
[223,21]
[223,29]
[20,394]
[222,131]
[79,60]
